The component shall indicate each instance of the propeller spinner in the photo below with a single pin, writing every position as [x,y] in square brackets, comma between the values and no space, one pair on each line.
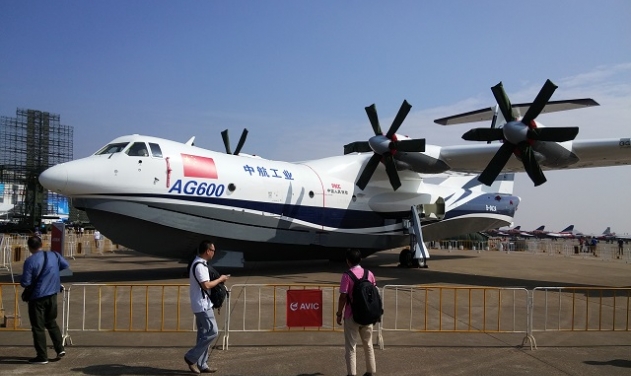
[226,141]
[519,135]
[384,147]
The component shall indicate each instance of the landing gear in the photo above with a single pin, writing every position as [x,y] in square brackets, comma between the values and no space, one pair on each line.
[416,255]
[407,260]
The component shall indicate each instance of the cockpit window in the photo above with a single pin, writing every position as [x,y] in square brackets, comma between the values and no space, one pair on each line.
[112,148]
[155,150]
[138,149]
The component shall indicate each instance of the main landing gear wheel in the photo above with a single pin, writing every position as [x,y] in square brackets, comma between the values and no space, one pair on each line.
[407,260]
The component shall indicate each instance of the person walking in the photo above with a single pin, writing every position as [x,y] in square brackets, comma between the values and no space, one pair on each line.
[352,330]
[97,239]
[40,276]
[197,357]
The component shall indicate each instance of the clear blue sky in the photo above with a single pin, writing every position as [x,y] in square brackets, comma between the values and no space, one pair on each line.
[298,75]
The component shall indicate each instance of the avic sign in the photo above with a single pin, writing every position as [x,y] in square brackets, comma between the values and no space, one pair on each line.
[304,308]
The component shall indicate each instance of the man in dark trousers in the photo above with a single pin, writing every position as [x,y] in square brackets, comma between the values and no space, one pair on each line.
[200,284]
[41,272]
[352,330]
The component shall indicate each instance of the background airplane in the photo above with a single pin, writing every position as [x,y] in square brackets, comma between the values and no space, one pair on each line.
[566,233]
[607,235]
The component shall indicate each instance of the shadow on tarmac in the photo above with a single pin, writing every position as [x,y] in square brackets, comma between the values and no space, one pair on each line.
[622,363]
[121,369]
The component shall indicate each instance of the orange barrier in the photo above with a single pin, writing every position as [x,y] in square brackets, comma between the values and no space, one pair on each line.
[420,308]
[11,306]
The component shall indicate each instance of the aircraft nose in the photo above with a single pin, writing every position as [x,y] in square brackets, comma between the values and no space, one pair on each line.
[55,178]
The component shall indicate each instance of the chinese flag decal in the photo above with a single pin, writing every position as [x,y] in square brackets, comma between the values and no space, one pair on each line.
[199,167]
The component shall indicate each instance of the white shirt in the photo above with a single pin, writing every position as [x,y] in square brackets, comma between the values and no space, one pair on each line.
[199,301]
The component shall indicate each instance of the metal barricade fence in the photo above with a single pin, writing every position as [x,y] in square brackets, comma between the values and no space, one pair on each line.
[128,308]
[585,309]
[6,255]
[11,305]
[417,308]
[262,308]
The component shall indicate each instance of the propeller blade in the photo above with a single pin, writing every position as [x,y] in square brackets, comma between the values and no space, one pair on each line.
[494,120]
[391,170]
[371,111]
[241,141]
[357,147]
[503,102]
[398,120]
[483,134]
[531,165]
[408,145]
[553,134]
[370,168]
[226,141]
[540,102]
[496,164]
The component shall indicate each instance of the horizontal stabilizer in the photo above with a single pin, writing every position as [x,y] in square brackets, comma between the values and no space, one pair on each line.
[486,114]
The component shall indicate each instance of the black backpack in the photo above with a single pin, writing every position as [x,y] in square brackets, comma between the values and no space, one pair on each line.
[366,301]
[218,293]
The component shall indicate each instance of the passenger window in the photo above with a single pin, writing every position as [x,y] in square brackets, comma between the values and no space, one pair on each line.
[138,149]
[112,148]
[155,150]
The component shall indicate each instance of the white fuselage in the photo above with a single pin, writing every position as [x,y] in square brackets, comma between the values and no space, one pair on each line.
[166,200]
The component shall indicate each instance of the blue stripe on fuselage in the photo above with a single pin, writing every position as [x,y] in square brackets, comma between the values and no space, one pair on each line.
[328,217]
[344,218]
[498,203]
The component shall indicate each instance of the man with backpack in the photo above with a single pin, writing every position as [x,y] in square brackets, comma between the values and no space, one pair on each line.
[359,305]
[202,307]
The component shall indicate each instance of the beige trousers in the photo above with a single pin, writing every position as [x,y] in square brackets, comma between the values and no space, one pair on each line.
[352,333]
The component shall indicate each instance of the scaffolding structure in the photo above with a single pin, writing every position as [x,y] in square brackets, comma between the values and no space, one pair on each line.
[30,143]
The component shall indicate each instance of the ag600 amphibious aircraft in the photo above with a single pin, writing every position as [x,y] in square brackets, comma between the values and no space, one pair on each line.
[162,197]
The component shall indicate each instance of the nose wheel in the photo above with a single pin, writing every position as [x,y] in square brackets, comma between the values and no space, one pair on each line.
[407,260]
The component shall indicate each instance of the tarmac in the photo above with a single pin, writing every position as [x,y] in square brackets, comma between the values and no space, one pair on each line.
[316,354]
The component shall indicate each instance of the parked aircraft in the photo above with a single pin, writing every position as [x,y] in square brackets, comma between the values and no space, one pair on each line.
[162,197]
[539,232]
[566,233]
[517,232]
[607,235]
[510,232]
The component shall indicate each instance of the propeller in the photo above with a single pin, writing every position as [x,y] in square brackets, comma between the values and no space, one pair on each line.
[519,135]
[226,141]
[384,147]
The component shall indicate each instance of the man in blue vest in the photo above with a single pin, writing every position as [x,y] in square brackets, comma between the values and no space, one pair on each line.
[41,273]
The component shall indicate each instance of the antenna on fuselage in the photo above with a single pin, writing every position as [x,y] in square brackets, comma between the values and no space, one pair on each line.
[191,141]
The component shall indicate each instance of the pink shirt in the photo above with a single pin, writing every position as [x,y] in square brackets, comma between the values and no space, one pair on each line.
[346,286]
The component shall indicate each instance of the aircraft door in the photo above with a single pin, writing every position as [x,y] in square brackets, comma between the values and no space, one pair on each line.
[144,164]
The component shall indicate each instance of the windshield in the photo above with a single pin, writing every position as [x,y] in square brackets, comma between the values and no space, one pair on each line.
[138,149]
[112,148]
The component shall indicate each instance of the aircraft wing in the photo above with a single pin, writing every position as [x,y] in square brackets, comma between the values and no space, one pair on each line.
[590,153]
[486,114]
[602,153]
